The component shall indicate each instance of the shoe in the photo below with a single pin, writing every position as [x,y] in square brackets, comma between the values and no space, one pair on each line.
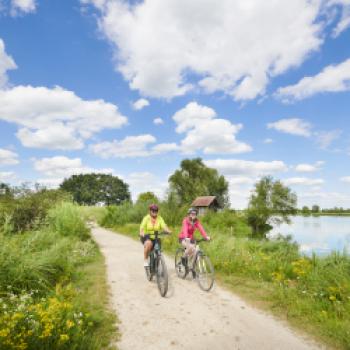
[146,263]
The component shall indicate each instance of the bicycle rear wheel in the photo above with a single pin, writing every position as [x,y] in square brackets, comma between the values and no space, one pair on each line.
[180,269]
[204,272]
[162,276]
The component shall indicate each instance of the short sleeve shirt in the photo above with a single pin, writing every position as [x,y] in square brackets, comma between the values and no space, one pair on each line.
[149,228]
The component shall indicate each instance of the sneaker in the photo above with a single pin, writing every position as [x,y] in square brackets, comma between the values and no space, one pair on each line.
[146,263]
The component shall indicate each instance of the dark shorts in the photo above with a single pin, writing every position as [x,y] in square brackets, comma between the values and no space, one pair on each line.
[146,238]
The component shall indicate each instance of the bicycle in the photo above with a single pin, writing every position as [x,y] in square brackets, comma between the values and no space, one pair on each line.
[201,267]
[157,265]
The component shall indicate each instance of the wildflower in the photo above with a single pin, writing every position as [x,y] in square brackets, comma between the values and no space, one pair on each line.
[64,337]
[69,324]
[332,298]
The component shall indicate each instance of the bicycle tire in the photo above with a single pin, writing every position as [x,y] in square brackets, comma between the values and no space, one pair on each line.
[180,269]
[162,276]
[204,272]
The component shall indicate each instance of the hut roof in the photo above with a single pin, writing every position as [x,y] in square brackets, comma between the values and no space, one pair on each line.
[204,201]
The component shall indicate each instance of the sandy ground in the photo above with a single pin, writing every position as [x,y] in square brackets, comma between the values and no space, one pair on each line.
[187,318]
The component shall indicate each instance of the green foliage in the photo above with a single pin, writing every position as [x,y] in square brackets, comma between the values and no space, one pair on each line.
[65,219]
[89,189]
[271,202]
[147,197]
[315,208]
[195,179]
[28,209]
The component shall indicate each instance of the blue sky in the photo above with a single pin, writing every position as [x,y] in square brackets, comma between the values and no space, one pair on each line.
[132,88]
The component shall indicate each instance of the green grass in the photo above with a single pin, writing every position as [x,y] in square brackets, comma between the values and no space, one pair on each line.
[50,277]
[313,294]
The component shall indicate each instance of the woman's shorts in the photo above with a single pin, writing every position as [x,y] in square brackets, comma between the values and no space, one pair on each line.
[146,238]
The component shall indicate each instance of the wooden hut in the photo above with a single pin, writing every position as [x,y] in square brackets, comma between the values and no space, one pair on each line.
[205,203]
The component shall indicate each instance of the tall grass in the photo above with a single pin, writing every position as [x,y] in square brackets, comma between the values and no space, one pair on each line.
[43,281]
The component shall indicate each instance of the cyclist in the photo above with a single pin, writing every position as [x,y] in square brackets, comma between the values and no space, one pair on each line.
[189,225]
[151,223]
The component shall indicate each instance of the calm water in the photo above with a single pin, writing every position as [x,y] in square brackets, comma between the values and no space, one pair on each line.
[321,234]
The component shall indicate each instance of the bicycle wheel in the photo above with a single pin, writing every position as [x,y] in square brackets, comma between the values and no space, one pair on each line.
[204,272]
[162,276]
[180,269]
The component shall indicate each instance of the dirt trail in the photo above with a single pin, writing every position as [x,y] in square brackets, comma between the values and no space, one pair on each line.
[187,318]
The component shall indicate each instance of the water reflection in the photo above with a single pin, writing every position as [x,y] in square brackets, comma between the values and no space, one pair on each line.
[319,234]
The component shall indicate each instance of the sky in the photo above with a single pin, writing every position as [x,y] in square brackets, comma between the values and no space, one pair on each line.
[131,88]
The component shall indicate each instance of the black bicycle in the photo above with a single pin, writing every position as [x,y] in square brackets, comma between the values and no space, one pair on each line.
[199,265]
[157,266]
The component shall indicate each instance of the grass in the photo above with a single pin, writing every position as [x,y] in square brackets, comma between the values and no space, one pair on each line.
[53,289]
[312,293]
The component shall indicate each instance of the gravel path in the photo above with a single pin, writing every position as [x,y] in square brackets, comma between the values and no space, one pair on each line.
[187,318]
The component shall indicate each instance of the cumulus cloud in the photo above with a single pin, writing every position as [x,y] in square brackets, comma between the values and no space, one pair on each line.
[245,167]
[303,181]
[294,126]
[56,118]
[309,168]
[6,63]
[22,6]
[132,146]
[205,132]
[140,104]
[333,78]
[345,179]
[158,121]
[164,48]
[145,182]
[8,157]
[6,176]
[59,167]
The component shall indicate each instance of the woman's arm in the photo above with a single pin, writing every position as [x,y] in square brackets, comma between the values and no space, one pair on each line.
[201,230]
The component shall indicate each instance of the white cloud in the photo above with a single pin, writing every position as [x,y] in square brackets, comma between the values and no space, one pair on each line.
[22,6]
[309,168]
[302,181]
[6,175]
[158,121]
[246,167]
[333,78]
[294,126]
[8,157]
[206,132]
[231,46]
[345,179]
[56,118]
[140,104]
[325,138]
[60,167]
[145,181]
[132,146]
[267,141]
[6,63]
[344,22]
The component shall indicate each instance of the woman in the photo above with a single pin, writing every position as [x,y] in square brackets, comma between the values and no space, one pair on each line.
[151,223]
[189,225]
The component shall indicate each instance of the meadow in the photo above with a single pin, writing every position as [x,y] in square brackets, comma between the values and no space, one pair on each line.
[53,290]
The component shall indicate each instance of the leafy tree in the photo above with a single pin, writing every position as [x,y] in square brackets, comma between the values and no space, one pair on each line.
[195,179]
[147,197]
[270,203]
[305,210]
[89,189]
[315,208]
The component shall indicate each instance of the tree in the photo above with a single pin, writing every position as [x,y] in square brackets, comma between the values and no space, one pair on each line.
[89,189]
[315,208]
[147,197]
[195,179]
[270,203]
[305,210]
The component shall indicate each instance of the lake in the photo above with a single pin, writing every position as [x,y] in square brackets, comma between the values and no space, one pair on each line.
[319,234]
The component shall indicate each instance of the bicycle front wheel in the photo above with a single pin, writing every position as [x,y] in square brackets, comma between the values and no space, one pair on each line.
[204,272]
[162,276]
[180,268]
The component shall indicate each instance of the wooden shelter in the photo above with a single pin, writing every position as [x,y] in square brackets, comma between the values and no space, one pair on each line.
[205,203]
